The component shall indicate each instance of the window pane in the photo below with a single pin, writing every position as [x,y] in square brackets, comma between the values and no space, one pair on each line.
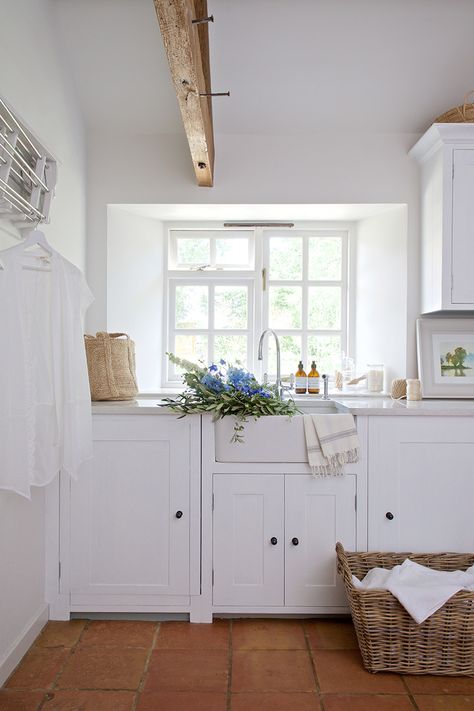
[230,306]
[193,348]
[232,251]
[324,307]
[325,258]
[326,351]
[285,307]
[191,306]
[290,350]
[286,258]
[194,251]
[231,349]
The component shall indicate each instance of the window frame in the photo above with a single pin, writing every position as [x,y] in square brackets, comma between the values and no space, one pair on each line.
[258,313]
[305,332]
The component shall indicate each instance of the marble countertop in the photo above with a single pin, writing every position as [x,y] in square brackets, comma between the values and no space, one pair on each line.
[360,405]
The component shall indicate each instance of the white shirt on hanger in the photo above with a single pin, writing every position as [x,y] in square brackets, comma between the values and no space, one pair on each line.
[45,407]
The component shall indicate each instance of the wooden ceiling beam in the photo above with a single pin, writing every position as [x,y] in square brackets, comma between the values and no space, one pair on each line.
[187,48]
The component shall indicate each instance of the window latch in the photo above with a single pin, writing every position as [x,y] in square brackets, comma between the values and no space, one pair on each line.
[264,279]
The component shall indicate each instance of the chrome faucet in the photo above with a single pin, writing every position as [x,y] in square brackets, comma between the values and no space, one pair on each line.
[279,386]
[325,387]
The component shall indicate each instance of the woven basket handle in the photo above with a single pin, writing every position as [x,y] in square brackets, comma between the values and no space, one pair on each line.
[465,102]
[105,335]
[342,564]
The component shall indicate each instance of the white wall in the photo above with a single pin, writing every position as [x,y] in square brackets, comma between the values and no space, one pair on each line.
[34,83]
[381,292]
[135,288]
[319,168]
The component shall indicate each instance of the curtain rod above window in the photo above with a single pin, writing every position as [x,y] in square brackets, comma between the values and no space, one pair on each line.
[259,224]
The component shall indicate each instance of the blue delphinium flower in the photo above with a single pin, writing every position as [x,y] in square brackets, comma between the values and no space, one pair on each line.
[213,383]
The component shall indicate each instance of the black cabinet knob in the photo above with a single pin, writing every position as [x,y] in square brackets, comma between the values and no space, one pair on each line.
[389,515]
[295,541]
[273,540]
[179,514]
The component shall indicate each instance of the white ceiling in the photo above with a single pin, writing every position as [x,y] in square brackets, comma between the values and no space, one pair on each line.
[292,66]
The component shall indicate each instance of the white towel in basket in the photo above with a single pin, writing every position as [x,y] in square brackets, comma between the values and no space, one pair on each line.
[419,589]
[331,442]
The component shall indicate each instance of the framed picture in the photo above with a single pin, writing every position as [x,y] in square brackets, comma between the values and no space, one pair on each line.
[446,357]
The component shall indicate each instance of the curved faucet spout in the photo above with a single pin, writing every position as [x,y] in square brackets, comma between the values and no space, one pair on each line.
[279,387]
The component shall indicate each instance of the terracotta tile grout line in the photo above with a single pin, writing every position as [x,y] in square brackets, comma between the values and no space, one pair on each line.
[141,685]
[313,664]
[72,649]
[229,662]
[410,695]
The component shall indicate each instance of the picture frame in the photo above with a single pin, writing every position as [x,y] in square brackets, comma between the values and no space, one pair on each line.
[445,349]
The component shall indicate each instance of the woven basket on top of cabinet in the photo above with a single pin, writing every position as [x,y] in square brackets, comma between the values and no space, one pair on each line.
[389,639]
[458,114]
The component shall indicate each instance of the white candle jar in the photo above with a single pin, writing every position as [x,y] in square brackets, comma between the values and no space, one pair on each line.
[375,377]
[413,389]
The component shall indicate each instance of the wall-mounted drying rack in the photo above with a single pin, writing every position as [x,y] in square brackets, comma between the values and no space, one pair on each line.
[27,173]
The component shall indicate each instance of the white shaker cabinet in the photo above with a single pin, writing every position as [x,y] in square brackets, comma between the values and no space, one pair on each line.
[274,537]
[446,156]
[421,484]
[134,516]
[248,540]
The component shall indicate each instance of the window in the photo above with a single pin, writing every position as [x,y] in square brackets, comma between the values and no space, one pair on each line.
[223,287]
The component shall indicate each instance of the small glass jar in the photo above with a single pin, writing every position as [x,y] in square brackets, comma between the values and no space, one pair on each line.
[413,389]
[375,377]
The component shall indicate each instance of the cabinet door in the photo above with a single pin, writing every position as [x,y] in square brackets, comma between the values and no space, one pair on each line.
[319,512]
[463,227]
[127,537]
[421,484]
[248,539]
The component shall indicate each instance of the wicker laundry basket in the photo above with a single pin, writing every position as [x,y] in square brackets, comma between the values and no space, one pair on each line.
[389,639]
[458,114]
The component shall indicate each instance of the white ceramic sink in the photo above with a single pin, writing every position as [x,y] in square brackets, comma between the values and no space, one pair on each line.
[268,439]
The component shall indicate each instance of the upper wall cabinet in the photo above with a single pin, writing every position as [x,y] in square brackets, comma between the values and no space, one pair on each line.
[446,155]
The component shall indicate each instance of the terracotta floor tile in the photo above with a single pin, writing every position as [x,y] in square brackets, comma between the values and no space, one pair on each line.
[20,700]
[61,634]
[342,671]
[272,671]
[329,634]
[364,702]
[440,684]
[119,633]
[182,701]
[103,668]
[445,703]
[276,702]
[187,670]
[38,669]
[186,635]
[268,634]
[89,701]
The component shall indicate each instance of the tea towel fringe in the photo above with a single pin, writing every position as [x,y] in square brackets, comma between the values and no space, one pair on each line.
[331,442]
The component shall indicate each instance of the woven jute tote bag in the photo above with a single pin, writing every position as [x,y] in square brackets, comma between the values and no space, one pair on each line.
[459,114]
[111,366]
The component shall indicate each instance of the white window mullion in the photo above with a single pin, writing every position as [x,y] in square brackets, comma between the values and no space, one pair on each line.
[304,305]
[210,325]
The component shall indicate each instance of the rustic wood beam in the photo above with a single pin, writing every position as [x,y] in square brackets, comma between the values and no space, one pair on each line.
[187,48]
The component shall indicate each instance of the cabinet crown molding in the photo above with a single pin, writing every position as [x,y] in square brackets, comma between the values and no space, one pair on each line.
[442,134]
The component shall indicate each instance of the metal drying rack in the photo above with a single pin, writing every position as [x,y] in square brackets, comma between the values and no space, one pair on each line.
[27,174]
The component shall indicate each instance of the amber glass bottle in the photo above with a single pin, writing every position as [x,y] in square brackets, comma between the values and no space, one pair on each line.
[313,380]
[301,380]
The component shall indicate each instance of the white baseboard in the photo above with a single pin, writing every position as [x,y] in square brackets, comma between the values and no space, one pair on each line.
[22,643]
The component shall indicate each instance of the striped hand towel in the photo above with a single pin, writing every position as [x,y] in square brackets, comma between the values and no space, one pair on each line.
[331,442]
